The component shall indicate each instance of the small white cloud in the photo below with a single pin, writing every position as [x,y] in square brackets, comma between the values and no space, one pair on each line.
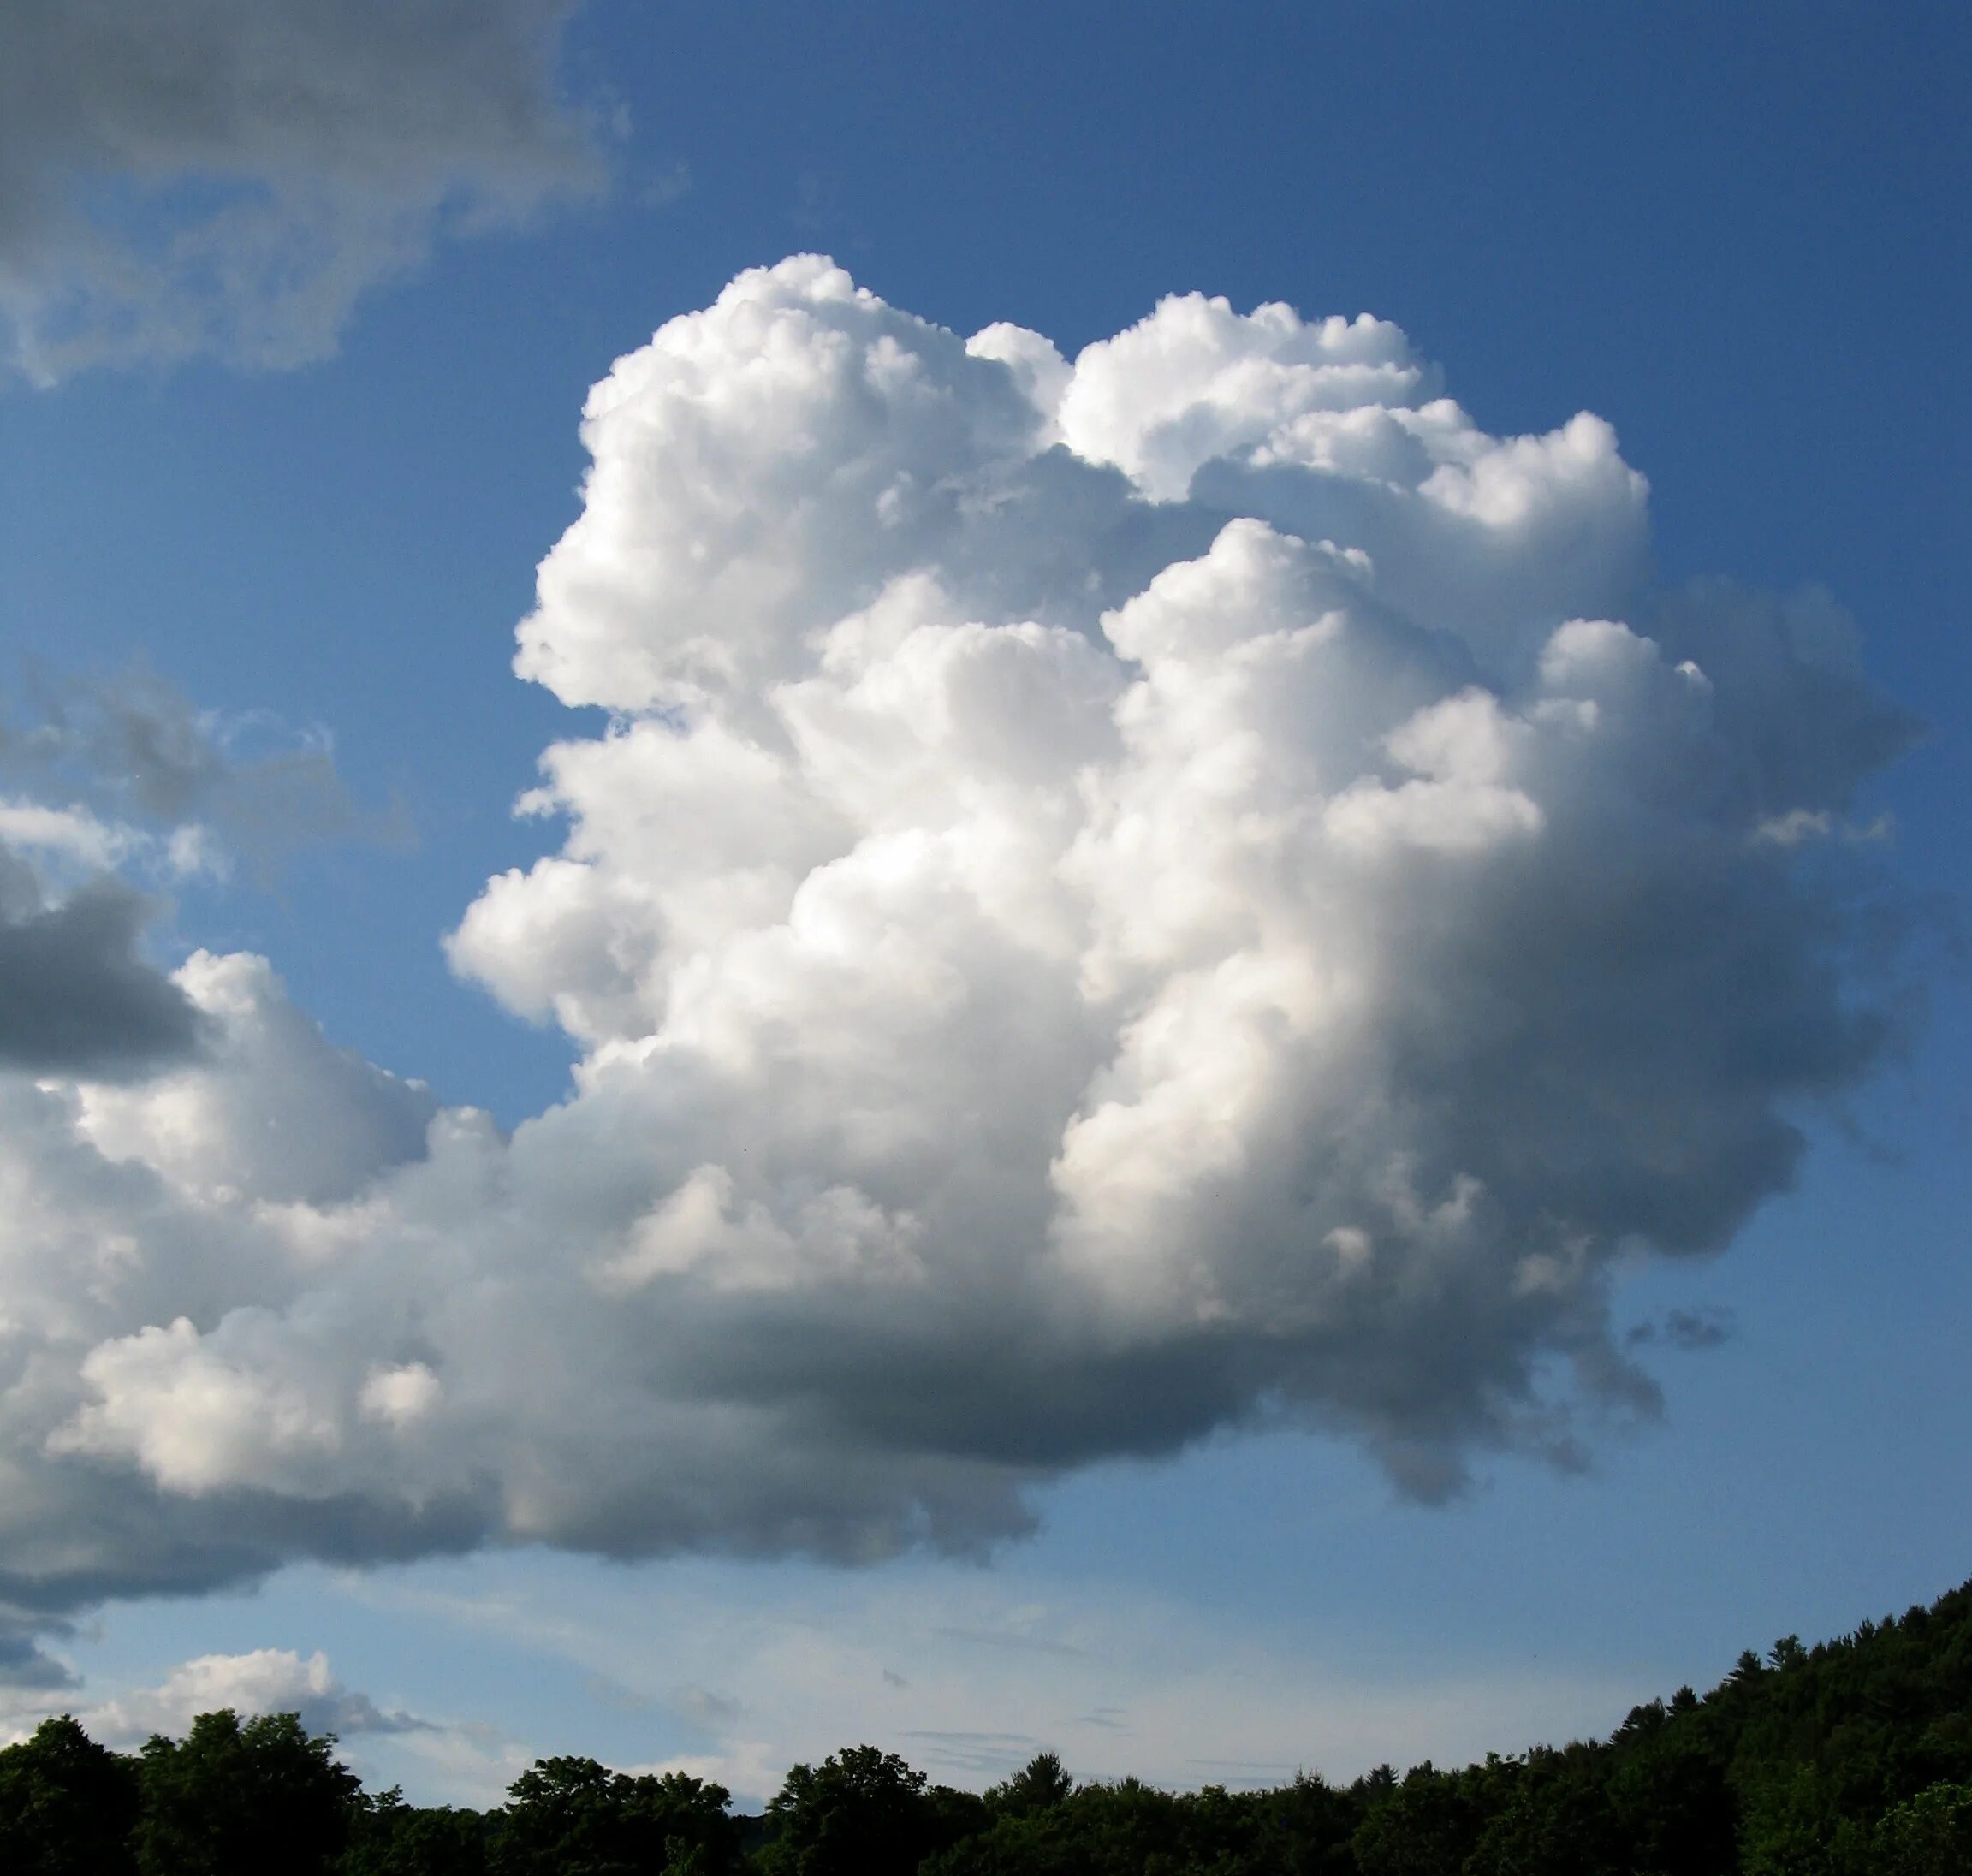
[74,835]
[399,1396]
[262,1681]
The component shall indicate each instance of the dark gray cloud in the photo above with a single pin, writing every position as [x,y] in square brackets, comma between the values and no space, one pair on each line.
[77,997]
[26,1666]
[229,177]
[1688,1329]
[121,776]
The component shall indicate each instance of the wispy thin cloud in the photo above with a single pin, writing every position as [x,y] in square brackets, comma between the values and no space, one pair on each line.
[231,177]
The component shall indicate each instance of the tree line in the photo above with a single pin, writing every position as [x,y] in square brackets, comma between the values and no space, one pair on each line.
[1850,1757]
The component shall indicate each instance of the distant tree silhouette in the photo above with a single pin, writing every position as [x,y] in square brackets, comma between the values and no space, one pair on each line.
[1039,1785]
[389,1838]
[1849,1758]
[1427,1826]
[862,1813]
[242,1800]
[67,1805]
[575,1815]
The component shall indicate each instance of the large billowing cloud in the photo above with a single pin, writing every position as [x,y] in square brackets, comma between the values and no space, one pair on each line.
[180,177]
[1115,899]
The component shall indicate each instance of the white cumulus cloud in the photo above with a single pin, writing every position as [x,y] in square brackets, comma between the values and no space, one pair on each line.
[261,1681]
[1116,898]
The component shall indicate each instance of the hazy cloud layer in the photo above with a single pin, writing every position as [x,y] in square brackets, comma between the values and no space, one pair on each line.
[1117,899]
[228,177]
[739,1676]
[129,750]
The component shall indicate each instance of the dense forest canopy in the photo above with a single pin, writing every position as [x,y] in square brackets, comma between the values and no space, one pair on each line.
[1850,1757]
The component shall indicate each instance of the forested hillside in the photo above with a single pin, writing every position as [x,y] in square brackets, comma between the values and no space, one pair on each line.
[1851,1756]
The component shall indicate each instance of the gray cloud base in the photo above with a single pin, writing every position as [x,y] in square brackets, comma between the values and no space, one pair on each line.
[1117,899]
[144,783]
[76,997]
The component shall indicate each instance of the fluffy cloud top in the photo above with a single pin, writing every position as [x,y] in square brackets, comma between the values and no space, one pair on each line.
[1116,899]
[191,175]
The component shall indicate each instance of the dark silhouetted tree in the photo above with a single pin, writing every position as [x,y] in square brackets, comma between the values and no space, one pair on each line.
[241,1800]
[389,1838]
[862,1813]
[1039,1785]
[572,1817]
[67,1805]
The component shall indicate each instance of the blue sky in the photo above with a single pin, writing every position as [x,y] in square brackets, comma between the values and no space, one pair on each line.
[1735,235]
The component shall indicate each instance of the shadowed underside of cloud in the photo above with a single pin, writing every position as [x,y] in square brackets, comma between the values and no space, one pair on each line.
[1117,898]
[27,1669]
[120,775]
[75,997]
[229,177]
